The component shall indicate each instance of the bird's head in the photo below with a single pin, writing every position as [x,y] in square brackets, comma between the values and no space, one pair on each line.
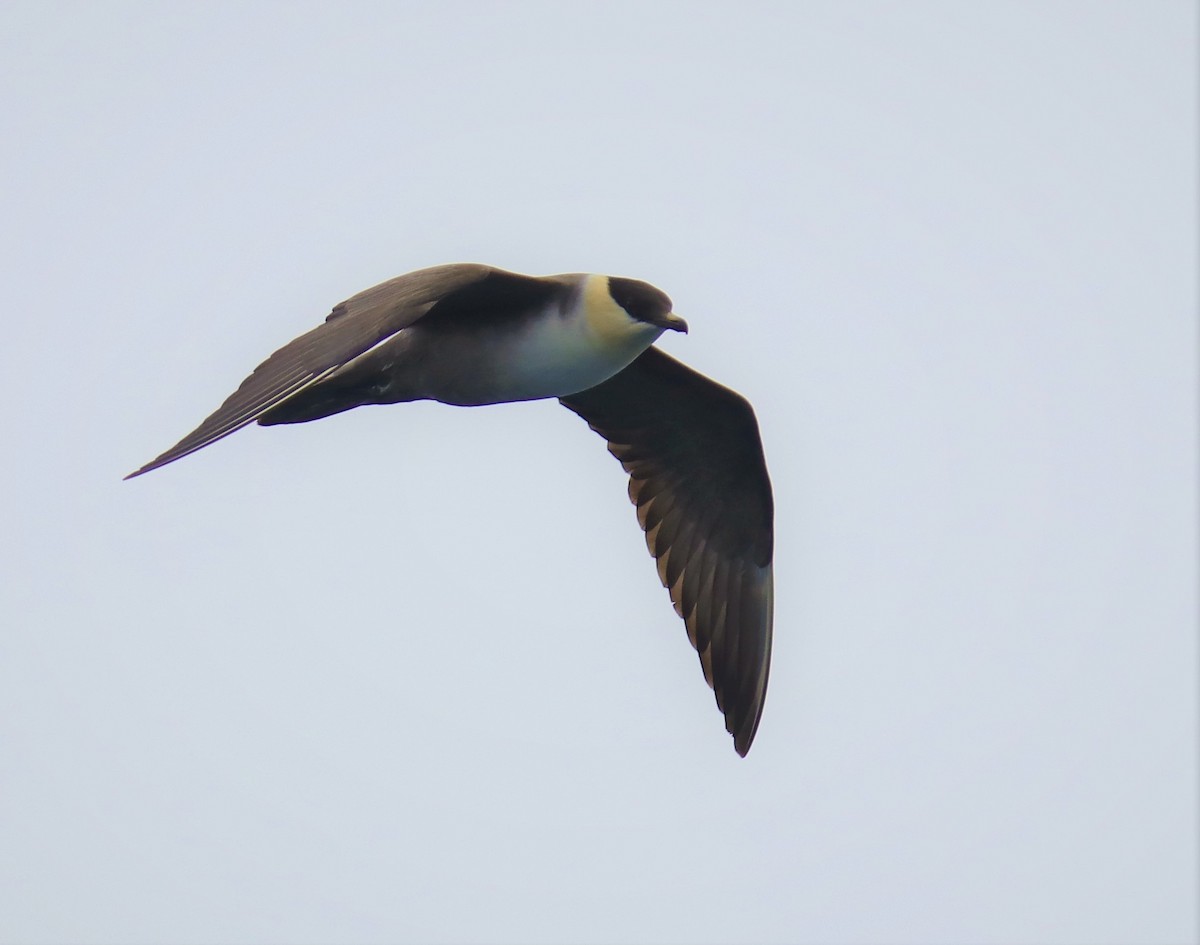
[644,303]
[626,311]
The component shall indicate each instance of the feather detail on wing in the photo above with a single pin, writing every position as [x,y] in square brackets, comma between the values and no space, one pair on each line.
[703,496]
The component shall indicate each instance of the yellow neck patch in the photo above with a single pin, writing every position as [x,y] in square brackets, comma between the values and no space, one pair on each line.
[606,320]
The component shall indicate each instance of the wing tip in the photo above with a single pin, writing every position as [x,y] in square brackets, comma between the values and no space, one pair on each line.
[159,461]
[744,738]
[152,465]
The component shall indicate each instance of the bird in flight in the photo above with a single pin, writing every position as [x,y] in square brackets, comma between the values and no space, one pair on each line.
[469,334]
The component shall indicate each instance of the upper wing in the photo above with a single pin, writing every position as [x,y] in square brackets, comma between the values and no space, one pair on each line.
[699,481]
[354,326]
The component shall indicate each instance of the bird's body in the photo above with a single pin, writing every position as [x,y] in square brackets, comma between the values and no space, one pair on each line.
[564,336]
[471,335]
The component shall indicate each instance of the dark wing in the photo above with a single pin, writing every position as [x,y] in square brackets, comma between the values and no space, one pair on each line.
[699,481]
[354,326]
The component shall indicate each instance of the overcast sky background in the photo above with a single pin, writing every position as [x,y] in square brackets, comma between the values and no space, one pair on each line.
[408,674]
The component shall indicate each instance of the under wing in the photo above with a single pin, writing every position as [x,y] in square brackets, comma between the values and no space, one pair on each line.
[703,496]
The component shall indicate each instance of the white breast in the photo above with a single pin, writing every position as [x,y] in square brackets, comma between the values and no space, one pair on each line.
[554,354]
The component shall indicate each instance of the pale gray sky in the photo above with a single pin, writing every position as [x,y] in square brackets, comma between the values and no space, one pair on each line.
[407,674]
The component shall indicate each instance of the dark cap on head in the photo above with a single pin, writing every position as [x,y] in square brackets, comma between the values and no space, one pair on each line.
[644,302]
